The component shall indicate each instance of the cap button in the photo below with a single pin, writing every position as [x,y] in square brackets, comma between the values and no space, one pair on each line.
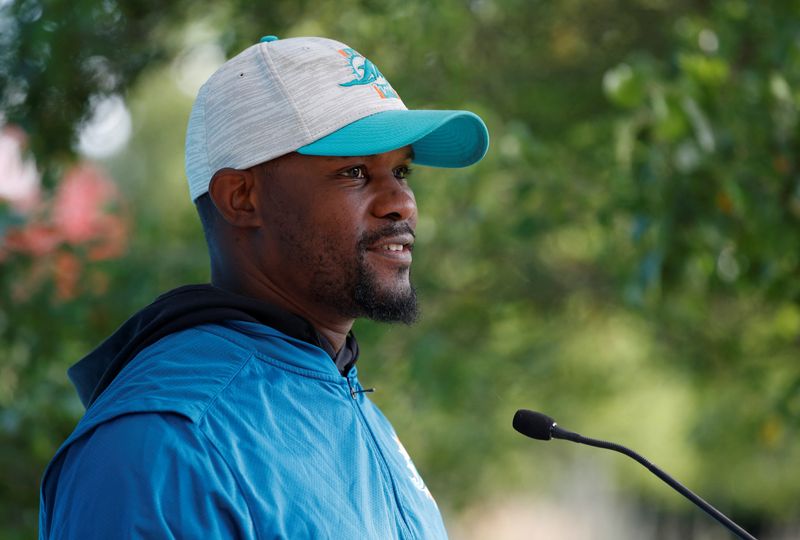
[268,39]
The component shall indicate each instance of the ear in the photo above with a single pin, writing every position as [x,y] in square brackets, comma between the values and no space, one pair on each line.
[235,197]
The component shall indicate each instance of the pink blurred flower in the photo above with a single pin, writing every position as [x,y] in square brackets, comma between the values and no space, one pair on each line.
[67,272]
[79,225]
[79,210]
[20,183]
[35,239]
[80,216]
[113,242]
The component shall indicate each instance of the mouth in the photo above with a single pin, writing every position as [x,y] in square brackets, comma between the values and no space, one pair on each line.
[396,248]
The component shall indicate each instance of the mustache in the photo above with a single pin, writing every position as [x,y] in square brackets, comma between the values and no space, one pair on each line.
[369,238]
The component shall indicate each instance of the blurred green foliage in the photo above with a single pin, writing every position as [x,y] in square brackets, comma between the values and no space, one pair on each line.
[625,257]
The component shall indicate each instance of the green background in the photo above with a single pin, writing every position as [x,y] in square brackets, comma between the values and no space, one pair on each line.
[625,258]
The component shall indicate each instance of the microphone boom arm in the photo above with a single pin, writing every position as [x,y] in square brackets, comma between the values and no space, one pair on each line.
[559,433]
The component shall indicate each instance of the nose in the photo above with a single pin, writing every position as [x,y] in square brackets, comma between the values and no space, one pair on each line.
[395,201]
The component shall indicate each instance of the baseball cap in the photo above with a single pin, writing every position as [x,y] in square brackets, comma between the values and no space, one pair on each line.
[314,96]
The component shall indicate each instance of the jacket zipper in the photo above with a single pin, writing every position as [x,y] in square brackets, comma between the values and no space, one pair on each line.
[384,465]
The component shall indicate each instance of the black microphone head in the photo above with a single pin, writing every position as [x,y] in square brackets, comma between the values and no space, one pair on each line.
[534,424]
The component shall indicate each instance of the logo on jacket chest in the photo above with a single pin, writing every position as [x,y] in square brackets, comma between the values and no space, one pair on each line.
[414,476]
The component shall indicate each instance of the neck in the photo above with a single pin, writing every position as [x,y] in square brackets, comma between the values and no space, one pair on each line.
[331,327]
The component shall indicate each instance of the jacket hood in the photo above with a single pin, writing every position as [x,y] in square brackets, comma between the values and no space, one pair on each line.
[182,308]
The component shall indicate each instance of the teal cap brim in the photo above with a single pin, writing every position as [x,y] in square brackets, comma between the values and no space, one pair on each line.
[438,138]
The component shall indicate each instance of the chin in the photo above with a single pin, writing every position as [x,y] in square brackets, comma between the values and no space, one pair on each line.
[395,303]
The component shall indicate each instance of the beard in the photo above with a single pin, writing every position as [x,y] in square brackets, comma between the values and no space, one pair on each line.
[383,306]
[357,290]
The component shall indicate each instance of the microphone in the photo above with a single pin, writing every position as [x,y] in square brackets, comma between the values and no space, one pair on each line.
[543,428]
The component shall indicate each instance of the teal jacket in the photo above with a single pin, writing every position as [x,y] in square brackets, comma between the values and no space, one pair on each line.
[234,430]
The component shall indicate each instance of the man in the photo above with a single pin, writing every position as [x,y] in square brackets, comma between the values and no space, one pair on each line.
[234,410]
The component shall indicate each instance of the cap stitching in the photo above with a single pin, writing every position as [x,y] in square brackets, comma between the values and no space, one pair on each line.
[271,65]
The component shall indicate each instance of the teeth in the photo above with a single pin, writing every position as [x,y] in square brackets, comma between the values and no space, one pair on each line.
[393,247]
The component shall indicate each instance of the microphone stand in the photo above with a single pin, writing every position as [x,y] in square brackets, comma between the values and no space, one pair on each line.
[559,433]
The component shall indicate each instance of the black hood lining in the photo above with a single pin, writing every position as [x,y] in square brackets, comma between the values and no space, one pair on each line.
[184,308]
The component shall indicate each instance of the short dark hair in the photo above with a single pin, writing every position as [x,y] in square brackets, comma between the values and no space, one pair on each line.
[208,213]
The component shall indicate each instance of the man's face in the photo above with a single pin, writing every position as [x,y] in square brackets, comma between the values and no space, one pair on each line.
[338,233]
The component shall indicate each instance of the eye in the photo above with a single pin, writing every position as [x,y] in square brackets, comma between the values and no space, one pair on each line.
[358,172]
[403,172]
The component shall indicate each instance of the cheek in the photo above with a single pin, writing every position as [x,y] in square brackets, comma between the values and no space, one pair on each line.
[287,233]
[330,234]
[341,218]
[339,234]
[321,219]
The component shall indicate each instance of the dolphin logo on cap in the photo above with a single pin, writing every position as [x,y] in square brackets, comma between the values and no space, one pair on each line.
[366,73]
